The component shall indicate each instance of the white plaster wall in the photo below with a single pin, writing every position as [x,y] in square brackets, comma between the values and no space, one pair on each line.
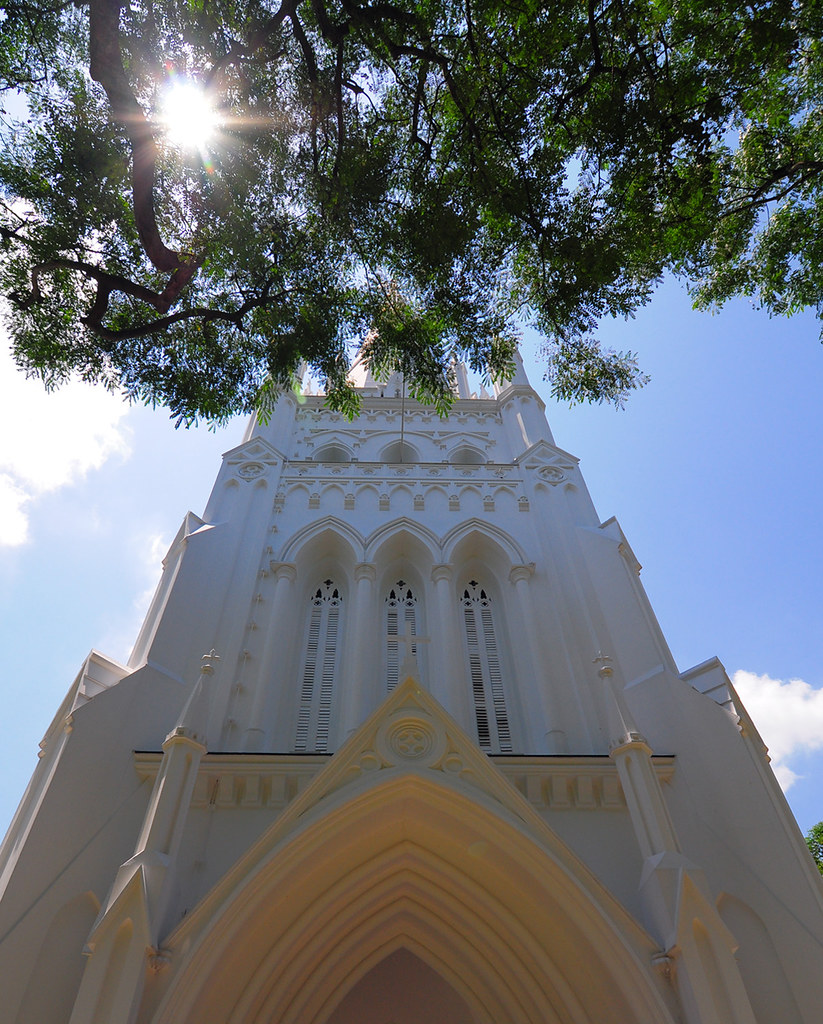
[239,579]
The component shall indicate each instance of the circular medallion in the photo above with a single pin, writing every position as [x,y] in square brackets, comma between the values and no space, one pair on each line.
[250,470]
[411,738]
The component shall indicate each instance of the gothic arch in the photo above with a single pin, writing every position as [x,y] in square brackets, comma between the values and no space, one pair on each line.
[475,539]
[485,895]
[399,452]
[481,536]
[55,976]
[320,664]
[332,451]
[760,966]
[473,490]
[333,493]
[465,454]
[489,661]
[330,529]
[402,601]
[436,500]
[403,985]
[378,544]
[401,497]
[367,497]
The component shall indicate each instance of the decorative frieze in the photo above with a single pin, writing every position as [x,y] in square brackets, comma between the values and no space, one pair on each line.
[564,782]
[549,782]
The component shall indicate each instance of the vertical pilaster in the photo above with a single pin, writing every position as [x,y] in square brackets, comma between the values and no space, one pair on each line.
[545,726]
[358,690]
[697,948]
[126,935]
[285,573]
[449,686]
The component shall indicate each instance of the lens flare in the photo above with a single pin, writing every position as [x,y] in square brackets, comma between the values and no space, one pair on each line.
[189,118]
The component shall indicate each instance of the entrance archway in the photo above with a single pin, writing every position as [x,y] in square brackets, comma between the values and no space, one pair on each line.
[497,907]
[402,989]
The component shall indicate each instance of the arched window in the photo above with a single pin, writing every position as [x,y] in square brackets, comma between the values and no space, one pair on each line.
[320,666]
[400,617]
[331,453]
[466,456]
[399,451]
[490,712]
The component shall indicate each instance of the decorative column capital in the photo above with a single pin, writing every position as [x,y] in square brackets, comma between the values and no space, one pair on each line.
[283,570]
[627,733]
[441,571]
[519,573]
[365,571]
[627,742]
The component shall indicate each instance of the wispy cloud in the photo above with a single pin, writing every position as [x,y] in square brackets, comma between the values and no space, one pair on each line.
[788,715]
[50,441]
[149,551]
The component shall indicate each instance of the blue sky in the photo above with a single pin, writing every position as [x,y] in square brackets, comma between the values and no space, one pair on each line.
[715,471]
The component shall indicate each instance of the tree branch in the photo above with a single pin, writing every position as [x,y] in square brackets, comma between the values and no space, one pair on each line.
[106,67]
[108,283]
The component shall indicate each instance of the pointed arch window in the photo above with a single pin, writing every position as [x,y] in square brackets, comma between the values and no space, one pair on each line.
[320,668]
[491,715]
[399,451]
[400,616]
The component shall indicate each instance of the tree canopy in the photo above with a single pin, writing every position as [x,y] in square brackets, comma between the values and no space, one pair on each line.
[814,841]
[422,175]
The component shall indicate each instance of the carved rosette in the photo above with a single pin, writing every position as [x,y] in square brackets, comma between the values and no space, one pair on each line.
[552,474]
[409,737]
[250,470]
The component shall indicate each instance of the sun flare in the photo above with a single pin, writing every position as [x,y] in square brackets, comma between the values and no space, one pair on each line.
[189,117]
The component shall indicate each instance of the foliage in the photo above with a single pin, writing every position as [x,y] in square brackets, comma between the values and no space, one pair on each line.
[814,840]
[424,173]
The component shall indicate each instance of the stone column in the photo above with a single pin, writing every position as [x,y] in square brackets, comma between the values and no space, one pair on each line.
[697,950]
[358,696]
[547,734]
[447,670]
[124,940]
[285,573]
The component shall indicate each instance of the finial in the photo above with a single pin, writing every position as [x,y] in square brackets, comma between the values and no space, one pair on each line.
[605,663]
[207,662]
[627,731]
[195,714]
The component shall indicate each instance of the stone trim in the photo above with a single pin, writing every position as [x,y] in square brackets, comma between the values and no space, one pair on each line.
[550,782]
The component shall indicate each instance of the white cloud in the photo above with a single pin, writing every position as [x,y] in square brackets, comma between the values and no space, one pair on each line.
[788,715]
[149,551]
[50,441]
[153,551]
[14,526]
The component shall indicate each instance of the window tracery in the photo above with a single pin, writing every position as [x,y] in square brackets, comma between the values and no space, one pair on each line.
[486,677]
[320,668]
[400,617]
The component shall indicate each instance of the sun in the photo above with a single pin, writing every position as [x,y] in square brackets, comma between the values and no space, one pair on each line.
[188,116]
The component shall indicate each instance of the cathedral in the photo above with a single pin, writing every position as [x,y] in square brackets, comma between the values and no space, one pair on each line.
[401,742]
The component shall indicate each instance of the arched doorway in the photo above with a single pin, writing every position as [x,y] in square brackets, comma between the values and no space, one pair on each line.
[402,989]
[449,865]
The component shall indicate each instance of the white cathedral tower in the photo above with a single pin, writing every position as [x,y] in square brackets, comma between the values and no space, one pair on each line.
[401,742]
